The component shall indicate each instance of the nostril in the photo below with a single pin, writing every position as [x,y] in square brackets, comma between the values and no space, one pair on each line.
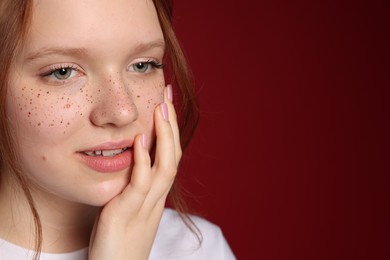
[114,113]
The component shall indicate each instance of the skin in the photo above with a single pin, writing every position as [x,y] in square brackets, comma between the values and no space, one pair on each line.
[104,99]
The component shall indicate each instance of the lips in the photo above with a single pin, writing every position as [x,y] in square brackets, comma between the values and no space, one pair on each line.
[108,157]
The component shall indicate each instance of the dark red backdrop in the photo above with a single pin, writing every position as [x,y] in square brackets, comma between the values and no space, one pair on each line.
[291,157]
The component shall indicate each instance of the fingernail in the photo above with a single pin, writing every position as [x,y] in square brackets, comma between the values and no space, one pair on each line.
[143,140]
[164,110]
[169,92]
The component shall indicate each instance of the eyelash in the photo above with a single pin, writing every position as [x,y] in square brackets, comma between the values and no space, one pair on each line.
[154,64]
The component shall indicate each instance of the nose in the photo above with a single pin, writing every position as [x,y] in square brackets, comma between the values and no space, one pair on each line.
[114,105]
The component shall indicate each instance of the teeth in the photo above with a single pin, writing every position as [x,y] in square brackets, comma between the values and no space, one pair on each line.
[90,153]
[108,153]
[111,153]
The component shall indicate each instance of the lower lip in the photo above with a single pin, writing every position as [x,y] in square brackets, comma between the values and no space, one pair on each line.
[108,164]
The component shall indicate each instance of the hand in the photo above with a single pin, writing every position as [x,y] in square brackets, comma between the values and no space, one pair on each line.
[126,227]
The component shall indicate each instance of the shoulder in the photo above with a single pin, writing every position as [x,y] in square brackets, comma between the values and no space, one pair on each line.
[174,240]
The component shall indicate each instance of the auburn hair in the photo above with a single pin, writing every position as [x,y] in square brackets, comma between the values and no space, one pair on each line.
[15,19]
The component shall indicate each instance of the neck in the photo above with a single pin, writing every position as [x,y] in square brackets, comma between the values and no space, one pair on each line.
[66,226]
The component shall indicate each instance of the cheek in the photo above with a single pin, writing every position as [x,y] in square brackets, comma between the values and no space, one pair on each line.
[147,98]
[39,112]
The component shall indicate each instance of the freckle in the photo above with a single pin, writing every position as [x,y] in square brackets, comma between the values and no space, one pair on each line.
[67,106]
[38,95]
[44,158]
[68,123]
[39,124]
[47,92]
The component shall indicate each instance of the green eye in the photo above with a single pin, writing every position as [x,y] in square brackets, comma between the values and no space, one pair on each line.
[63,73]
[141,67]
[145,66]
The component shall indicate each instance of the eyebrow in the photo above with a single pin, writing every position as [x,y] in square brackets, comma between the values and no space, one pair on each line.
[58,51]
[150,45]
[82,52]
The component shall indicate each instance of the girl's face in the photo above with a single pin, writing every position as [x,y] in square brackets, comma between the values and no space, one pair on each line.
[85,82]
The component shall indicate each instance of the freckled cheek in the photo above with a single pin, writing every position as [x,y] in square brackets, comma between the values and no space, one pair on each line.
[44,112]
[147,99]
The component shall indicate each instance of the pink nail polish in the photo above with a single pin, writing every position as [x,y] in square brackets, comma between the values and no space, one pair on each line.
[164,110]
[143,140]
[169,92]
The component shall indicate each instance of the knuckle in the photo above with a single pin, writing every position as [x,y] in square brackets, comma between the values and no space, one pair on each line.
[142,188]
[170,172]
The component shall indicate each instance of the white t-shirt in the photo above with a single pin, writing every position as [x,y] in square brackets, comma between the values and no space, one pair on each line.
[173,241]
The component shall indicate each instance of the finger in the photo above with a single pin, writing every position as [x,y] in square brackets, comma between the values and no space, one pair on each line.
[157,211]
[155,204]
[164,168]
[165,146]
[173,121]
[133,196]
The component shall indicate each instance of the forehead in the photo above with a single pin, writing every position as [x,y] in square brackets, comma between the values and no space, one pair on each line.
[109,24]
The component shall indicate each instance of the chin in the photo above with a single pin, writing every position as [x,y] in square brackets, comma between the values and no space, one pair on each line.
[106,192]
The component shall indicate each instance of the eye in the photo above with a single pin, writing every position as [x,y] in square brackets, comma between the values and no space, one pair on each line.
[145,66]
[62,73]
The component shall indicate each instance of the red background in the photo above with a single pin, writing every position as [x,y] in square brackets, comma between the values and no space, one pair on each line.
[291,155]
